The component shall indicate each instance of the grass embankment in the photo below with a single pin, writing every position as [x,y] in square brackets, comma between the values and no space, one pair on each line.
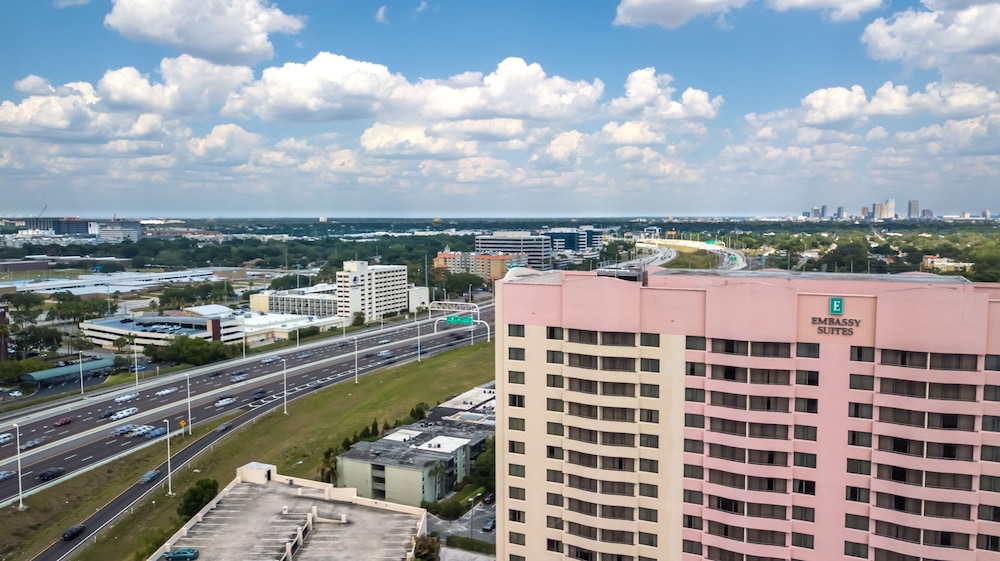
[688,258]
[295,443]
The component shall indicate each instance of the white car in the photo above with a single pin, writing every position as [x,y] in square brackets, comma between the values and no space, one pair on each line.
[225,401]
[140,431]
[15,393]
[166,391]
[124,429]
[126,397]
[124,413]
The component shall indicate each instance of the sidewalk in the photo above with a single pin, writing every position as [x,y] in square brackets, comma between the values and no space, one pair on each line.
[451,554]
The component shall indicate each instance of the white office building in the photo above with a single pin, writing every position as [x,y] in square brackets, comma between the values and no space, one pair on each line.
[375,290]
[537,248]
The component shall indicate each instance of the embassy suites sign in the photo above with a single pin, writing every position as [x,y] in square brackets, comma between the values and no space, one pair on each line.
[834,324]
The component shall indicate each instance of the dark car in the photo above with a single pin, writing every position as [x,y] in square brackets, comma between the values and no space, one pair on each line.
[149,476]
[490,525]
[182,554]
[63,421]
[489,498]
[224,427]
[51,473]
[5,475]
[258,394]
[216,373]
[73,531]
[106,414]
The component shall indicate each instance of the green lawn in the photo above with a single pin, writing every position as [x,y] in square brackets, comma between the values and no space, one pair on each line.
[699,259]
[294,443]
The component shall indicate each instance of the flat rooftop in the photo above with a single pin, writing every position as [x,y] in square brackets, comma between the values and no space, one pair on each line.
[249,525]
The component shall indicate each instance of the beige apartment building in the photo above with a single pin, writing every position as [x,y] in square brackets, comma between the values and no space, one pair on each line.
[489,266]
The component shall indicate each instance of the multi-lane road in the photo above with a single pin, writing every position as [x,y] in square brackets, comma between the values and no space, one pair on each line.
[88,440]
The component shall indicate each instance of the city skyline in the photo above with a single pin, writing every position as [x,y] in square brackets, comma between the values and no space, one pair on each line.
[421,108]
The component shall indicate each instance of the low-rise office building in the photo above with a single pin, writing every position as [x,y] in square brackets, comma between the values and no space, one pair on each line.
[537,248]
[489,266]
[315,301]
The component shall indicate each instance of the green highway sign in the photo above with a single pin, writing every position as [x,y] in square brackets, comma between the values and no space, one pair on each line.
[459,320]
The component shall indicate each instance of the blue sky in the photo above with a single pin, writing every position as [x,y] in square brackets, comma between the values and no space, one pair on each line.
[518,108]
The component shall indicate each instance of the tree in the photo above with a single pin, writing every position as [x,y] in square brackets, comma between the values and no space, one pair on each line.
[437,474]
[426,548]
[483,472]
[359,319]
[197,497]
[459,282]
[120,344]
[374,429]
[328,468]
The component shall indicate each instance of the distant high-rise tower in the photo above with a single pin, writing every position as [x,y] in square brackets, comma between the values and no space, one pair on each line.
[927,214]
[864,213]
[889,209]
[913,209]
[822,211]
[986,214]
[878,211]
[840,213]
[815,212]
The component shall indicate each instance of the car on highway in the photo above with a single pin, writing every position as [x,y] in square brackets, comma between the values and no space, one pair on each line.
[182,554]
[73,531]
[490,525]
[106,414]
[224,427]
[124,429]
[141,430]
[51,473]
[224,401]
[384,341]
[6,437]
[15,393]
[126,397]
[149,476]
[216,373]
[28,445]
[157,432]
[270,359]
[124,413]
[63,421]
[166,391]
[238,378]
[5,475]
[259,394]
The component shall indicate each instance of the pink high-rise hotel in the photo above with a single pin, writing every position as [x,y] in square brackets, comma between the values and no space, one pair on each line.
[743,416]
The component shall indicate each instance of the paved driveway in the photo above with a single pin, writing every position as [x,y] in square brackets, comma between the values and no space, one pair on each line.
[475,517]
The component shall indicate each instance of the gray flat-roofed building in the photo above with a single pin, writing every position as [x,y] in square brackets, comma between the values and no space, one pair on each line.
[91,367]
[161,330]
[537,248]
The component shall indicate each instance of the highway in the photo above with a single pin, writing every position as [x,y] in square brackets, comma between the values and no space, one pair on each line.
[87,441]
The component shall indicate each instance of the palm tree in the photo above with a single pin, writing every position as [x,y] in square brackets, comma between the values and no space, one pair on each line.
[120,343]
[328,468]
[437,473]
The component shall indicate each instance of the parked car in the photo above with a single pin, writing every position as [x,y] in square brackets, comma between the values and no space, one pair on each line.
[5,475]
[51,473]
[149,476]
[73,531]
[182,554]
[63,421]
[490,525]
[489,498]
[224,401]
[166,391]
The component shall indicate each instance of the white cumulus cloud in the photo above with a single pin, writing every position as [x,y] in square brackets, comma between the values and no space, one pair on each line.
[189,85]
[670,13]
[380,15]
[838,10]
[394,141]
[649,95]
[218,30]
[32,84]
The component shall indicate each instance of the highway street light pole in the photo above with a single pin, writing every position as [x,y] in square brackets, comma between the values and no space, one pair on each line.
[355,360]
[81,371]
[170,482]
[418,341]
[135,362]
[189,422]
[20,493]
[284,377]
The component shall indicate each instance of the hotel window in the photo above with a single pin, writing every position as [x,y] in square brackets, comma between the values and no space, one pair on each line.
[618,414]
[582,386]
[589,362]
[859,410]
[554,357]
[757,510]
[730,347]
[804,459]
[694,343]
[554,545]
[696,446]
[807,378]
[649,364]
[618,488]
[618,439]
[908,359]
[942,361]
[691,547]
[581,459]
[646,538]
[729,373]
[515,470]
[617,364]
[649,339]
[515,447]
[858,494]
[584,483]
[805,513]
[858,438]
[724,452]
[515,353]
[692,420]
[694,522]
[951,421]
[690,470]
[582,336]
[555,333]
[553,381]
[516,557]
[649,390]
[515,400]
[725,505]
[807,350]
[906,388]
[515,515]
[513,423]
[992,363]
[731,400]
[991,393]
[617,536]
[768,430]
[952,392]
[515,377]
[897,503]
[653,466]
[615,463]
[806,405]
[728,426]
[863,354]
[989,512]
[554,452]
[988,483]
[694,368]
[514,330]
[653,416]
[939,538]
[955,481]
[767,484]
[802,540]
[552,404]
[957,511]
[649,441]
[555,429]
[770,377]
[554,499]
[582,410]
[582,435]
[987,542]
[769,349]
[618,389]
[854,549]
[805,432]
[949,451]
[517,493]
[862,382]
[803,487]
[990,453]
[693,497]
[726,531]
[863,467]
[618,339]
[767,457]
[856,522]
[768,403]
[648,490]
[553,522]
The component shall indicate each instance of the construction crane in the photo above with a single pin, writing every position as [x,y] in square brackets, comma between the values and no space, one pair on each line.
[44,208]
